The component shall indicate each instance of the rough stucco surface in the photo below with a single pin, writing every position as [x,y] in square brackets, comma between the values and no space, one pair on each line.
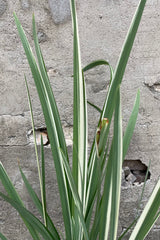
[102,25]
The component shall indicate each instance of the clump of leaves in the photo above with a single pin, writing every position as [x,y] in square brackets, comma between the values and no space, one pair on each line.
[91,188]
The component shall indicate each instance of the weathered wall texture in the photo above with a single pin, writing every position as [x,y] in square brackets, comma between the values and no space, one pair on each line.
[103,25]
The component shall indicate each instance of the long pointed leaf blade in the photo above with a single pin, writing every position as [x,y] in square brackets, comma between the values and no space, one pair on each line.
[46,103]
[80,131]
[131,125]
[148,216]
[112,184]
[53,104]
[8,185]
[122,62]
[105,210]
[109,104]
[43,184]
[116,169]
[12,193]
[2,237]
[97,63]
[29,217]
[139,204]
[46,82]
[36,151]
[41,206]
[92,164]
[38,205]
[75,196]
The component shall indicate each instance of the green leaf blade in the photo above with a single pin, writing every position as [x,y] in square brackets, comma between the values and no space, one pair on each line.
[46,103]
[80,128]
[148,216]
[30,218]
[131,125]
[116,169]
[47,85]
[12,193]
[2,237]
[76,197]
[38,205]
[109,105]
[43,184]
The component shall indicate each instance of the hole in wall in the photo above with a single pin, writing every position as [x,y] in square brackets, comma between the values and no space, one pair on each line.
[135,171]
[42,131]
[39,132]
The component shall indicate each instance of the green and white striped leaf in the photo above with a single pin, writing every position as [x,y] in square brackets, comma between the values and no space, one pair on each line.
[116,169]
[149,215]
[12,193]
[38,205]
[30,218]
[53,124]
[80,128]
[131,125]
[109,104]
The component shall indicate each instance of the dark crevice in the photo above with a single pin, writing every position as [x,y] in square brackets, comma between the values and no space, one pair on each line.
[135,171]
[154,88]
[39,132]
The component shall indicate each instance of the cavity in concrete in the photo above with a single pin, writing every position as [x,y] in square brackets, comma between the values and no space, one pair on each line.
[39,132]
[135,171]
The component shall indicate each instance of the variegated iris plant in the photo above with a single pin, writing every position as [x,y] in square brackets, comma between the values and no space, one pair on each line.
[90,205]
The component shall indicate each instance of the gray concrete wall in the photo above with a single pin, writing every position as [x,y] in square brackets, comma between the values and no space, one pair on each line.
[103,26]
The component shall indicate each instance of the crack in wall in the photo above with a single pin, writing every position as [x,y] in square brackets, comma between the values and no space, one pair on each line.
[14,115]
[14,145]
[154,88]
